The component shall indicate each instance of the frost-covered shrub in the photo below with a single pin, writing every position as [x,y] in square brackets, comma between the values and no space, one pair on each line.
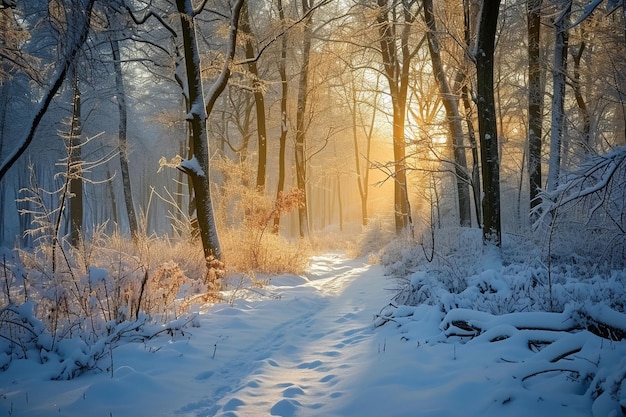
[376,235]
[583,218]
[520,280]
[25,337]
[107,291]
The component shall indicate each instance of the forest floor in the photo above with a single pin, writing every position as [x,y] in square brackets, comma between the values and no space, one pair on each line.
[311,345]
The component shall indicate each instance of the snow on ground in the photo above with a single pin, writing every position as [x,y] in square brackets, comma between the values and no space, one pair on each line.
[308,346]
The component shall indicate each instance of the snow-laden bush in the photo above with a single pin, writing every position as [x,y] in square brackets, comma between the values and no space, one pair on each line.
[378,233]
[586,214]
[562,318]
[461,275]
[106,292]
[24,337]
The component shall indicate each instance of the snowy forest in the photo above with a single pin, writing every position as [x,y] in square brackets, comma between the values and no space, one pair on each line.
[172,172]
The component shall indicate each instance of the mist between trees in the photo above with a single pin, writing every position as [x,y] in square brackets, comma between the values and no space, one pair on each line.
[245,126]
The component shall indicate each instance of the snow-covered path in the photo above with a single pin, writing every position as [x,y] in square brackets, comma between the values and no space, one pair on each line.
[306,348]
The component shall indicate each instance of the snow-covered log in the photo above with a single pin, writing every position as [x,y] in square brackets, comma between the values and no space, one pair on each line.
[604,322]
[600,320]
[550,358]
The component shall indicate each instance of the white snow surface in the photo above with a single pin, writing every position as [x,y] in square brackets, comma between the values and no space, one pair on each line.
[308,346]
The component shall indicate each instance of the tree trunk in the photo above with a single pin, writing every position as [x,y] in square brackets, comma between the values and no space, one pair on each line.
[535,100]
[362,174]
[396,69]
[339,203]
[580,100]
[123,140]
[282,63]
[198,167]
[259,101]
[469,15]
[112,199]
[465,96]
[303,86]
[558,96]
[451,105]
[492,233]
[75,192]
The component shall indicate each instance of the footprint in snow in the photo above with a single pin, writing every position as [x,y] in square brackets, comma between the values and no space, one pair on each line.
[285,408]
[293,392]
[310,365]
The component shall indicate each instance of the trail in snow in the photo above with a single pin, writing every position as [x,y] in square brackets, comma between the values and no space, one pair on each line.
[301,364]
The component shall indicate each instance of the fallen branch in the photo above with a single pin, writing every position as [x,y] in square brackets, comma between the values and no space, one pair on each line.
[604,322]
[600,320]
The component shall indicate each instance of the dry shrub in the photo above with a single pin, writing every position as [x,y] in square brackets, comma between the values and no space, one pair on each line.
[272,254]
[214,273]
[112,278]
[249,239]
[163,286]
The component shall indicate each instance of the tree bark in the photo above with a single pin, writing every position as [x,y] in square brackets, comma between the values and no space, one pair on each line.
[197,118]
[492,233]
[558,96]
[123,140]
[259,100]
[303,86]
[451,105]
[282,63]
[471,133]
[580,100]
[75,192]
[396,69]
[362,174]
[469,14]
[535,100]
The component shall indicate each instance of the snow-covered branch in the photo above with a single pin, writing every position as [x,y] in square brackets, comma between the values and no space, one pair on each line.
[600,173]
[81,29]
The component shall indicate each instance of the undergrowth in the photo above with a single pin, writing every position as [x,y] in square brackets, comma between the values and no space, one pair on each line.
[523,276]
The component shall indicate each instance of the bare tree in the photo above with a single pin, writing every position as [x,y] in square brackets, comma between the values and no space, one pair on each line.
[394,21]
[451,104]
[75,181]
[303,87]
[282,70]
[120,95]
[78,27]
[535,99]
[561,28]
[198,166]
[259,100]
